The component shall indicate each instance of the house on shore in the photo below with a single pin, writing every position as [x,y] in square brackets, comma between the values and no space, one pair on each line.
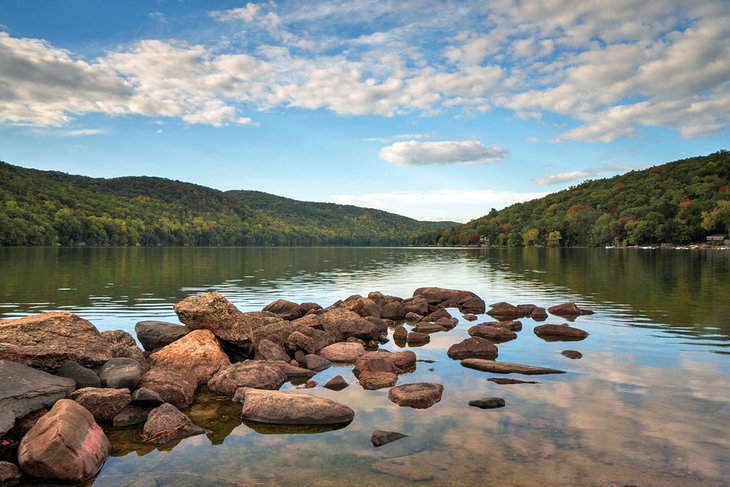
[719,239]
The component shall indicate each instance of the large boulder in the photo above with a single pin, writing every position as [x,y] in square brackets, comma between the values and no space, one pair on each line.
[251,373]
[166,423]
[290,408]
[65,444]
[473,347]
[121,372]
[197,355]
[560,332]
[465,301]
[104,404]
[82,376]
[47,340]
[172,386]
[123,345]
[345,352]
[24,390]
[419,395]
[157,334]
[288,310]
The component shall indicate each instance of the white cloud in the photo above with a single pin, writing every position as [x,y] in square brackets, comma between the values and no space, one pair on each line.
[414,153]
[445,204]
[563,177]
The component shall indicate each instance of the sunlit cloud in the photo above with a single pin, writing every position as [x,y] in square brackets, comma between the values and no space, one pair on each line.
[414,153]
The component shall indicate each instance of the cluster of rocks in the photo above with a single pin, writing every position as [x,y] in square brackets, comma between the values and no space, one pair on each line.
[64,378]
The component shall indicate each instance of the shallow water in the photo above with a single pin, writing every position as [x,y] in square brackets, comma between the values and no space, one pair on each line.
[648,404]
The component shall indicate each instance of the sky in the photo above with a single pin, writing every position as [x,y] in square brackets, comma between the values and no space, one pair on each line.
[436,110]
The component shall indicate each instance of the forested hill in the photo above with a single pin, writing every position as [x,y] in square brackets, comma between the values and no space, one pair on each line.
[48,207]
[677,202]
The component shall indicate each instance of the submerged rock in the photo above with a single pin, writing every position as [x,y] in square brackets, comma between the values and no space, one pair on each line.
[419,395]
[381,437]
[473,347]
[292,408]
[488,403]
[507,367]
[251,373]
[571,354]
[403,468]
[506,381]
[104,404]
[197,355]
[157,334]
[166,423]
[65,444]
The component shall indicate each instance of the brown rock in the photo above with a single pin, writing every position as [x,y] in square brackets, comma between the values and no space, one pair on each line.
[309,339]
[342,323]
[279,407]
[392,311]
[381,325]
[539,314]
[275,330]
[104,404]
[416,305]
[122,344]
[363,306]
[251,373]
[286,309]
[293,372]
[569,309]
[466,301]
[381,437]
[47,340]
[377,380]
[506,381]
[425,327]
[470,317]
[571,354]
[65,444]
[10,475]
[507,367]
[400,333]
[166,423]
[526,309]
[505,311]
[560,332]
[268,350]
[488,403]
[413,317]
[403,361]
[473,347]
[419,395]
[197,355]
[345,352]
[492,332]
[507,325]
[316,363]
[416,338]
[172,386]
[336,383]
[438,314]
[309,308]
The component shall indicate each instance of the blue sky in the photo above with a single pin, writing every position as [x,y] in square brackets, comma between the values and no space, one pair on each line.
[435,110]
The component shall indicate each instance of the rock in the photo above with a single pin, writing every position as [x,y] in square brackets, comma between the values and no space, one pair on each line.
[122,344]
[473,347]
[403,361]
[342,323]
[507,367]
[336,383]
[492,332]
[539,314]
[316,363]
[438,314]
[197,355]
[286,309]
[104,404]
[419,395]
[157,334]
[413,317]
[376,365]
[447,323]
[65,444]
[507,325]
[310,384]
[505,311]
[293,372]
[251,373]
[392,311]
[465,301]
[131,415]
[309,308]
[569,309]
[416,305]
[293,408]
[48,340]
[560,332]
[352,340]
[416,338]
[24,390]
[526,309]
[342,352]
[571,354]
[121,373]
[425,327]
[299,356]
[488,403]
[146,398]
[10,475]
[381,437]
[276,331]
[470,317]
[82,376]
[400,333]
[172,386]
[381,325]
[373,380]
[363,306]
[166,423]
[310,340]
[505,381]
[268,350]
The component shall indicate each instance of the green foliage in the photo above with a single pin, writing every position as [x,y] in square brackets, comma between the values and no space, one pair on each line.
[47,208]
[678,202]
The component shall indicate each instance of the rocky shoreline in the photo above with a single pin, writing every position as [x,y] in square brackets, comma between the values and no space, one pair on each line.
[64,381]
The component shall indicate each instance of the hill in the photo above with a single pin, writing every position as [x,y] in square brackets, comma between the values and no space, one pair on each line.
[678,202]
[49,207]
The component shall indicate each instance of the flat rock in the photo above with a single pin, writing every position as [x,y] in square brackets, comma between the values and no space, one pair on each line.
[48,340]
[122,344]
[292,408]
[157,334]
[251,373]
[197,355]
[336,383]
[415,337]
[512,325]
[488,403]
[507,381]
[104,404]
[373,380]
[131,414]
[316,363]
[473,347]
[166,423]
[10,474]
[568,309]
[120,373]
[288,310]
[419,395]
[24,390]
[65,444]
[402,468]
[82,376]
[344,352]
[465,301]
[425,327]
[172,386]
[507,367]
[382,437]
[560,332]
[571,354]
[492,332]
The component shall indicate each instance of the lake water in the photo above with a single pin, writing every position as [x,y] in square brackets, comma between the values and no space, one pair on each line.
[647,405]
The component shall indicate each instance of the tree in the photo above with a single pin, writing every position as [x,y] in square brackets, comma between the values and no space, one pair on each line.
[553,239]
[530,237]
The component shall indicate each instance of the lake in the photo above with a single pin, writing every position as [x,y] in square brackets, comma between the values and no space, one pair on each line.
[648,404]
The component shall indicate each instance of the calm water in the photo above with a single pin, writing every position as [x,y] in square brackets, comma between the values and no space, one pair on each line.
[649,404]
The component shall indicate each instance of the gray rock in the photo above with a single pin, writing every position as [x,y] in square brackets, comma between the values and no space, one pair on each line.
[82,376]
[146,398]
[131,415]
[157,334]
[24,390]
[104,404]
[121,372]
